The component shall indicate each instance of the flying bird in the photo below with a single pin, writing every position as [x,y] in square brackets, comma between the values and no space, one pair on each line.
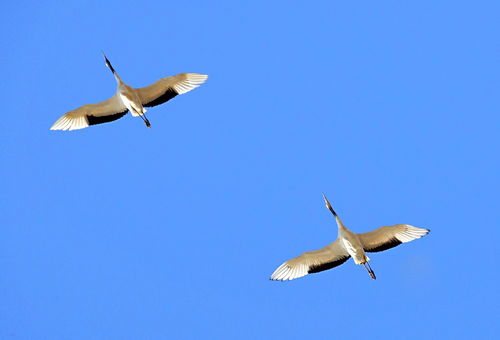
[127,99]
[347,244]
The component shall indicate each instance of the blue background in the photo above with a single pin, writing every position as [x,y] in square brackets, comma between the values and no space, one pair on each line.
[123,232]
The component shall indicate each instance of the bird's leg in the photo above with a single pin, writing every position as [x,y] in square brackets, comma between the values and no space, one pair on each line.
[145,119]
[369,270]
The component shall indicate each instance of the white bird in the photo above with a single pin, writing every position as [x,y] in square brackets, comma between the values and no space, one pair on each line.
[127,99]
[347,244]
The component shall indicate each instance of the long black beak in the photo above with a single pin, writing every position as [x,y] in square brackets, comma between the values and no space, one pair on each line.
[108,64]
[329,206]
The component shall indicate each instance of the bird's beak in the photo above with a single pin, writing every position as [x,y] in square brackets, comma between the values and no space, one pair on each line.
[108,64]
[328,205]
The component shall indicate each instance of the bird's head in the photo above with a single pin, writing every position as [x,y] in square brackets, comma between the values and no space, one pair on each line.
[328,205]
[108,64]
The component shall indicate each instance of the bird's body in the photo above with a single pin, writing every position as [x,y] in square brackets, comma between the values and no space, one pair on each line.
[131,100]
[352,245]
[347,244]
[128,99]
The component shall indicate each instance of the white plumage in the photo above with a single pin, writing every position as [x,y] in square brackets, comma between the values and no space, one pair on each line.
[347,244]
[129,99]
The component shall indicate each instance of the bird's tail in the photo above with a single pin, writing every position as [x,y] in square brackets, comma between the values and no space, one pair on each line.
[369,270]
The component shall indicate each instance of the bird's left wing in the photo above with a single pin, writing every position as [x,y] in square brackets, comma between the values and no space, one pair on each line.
[91,114]
[315,261]
[388,237]
[167,88]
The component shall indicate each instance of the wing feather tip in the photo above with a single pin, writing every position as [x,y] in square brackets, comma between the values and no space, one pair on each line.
[286,273]
[67,124]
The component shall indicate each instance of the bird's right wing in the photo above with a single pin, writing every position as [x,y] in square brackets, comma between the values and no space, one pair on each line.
[332,255]
[167,88]
[91,114]
[388,237]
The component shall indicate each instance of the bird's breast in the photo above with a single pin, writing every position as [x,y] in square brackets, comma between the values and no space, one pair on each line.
[349,246]
[132,102]
[353,248]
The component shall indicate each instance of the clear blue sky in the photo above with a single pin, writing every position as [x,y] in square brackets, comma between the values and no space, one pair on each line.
[122,232]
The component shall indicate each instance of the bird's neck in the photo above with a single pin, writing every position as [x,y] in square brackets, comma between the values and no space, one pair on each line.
[340,224]
[118,79]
